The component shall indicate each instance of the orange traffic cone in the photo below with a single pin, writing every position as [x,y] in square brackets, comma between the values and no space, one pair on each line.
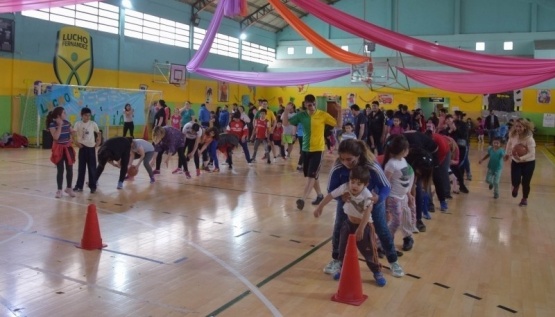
[146,136]
[350,283]
[91,234]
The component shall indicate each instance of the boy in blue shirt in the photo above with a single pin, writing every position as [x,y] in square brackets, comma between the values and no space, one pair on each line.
[495,165]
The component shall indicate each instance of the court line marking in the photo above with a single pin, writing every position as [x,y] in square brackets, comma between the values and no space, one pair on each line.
[30,222]
[224,264]
[268,279]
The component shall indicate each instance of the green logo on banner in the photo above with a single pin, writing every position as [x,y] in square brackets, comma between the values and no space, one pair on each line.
[73,63]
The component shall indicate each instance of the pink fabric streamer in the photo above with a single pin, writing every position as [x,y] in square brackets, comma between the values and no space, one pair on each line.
[21,5]
[472,83]
[481,63]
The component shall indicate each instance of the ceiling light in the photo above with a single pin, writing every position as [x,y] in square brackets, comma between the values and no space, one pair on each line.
[243,36]
[127,4]
[480,46]
[508,46]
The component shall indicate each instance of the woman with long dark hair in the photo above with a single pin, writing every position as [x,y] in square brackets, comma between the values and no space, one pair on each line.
[62,151]
[128,125]
[355,153]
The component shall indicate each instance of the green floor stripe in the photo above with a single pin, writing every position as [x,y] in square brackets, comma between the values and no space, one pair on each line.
[268,279]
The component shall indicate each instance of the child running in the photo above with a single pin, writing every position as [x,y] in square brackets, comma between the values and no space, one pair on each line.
[359,220]
[401,201]
[260,134]
[495,165]
[62,151]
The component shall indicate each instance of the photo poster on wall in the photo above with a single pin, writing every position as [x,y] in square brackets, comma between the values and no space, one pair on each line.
[106,104]
[209,94]
[509,101]
[549,120]
[223,91]
[544,96]
[351,99]
[7,35]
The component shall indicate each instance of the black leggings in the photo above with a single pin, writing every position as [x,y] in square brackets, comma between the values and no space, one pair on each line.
[522,173]
[60,174]
[189,146]
[128,126]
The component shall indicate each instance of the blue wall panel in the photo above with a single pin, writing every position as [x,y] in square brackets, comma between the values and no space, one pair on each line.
[426,17]
[478,16]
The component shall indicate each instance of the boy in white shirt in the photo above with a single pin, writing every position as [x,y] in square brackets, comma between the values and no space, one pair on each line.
[359,220]
[85,131]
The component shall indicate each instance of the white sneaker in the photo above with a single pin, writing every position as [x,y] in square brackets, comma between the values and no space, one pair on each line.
[333,267]
[396,269]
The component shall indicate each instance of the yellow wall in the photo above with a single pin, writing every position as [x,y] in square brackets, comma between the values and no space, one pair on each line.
[24,73]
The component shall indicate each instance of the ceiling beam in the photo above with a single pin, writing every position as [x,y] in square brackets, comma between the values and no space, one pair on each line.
[196,8]
[257,15]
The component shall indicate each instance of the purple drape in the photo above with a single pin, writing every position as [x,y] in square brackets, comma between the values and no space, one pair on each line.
[272,79]
[21,5]
[202,53]
[251,78]
[472,83]
[481,63]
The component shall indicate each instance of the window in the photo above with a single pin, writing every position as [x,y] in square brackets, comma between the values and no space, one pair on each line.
[258,53]
[91,15]
[223,44]
[345,47]
[480,46]
[309,50]
[152,28]
[508,46]
[290,51]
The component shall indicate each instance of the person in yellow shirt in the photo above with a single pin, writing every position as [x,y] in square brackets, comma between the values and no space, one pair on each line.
[313,122]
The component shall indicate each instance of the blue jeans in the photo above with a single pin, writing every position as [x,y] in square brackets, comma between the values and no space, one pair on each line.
[380,225]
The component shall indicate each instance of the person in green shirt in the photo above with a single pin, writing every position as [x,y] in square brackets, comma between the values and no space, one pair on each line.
[313,122]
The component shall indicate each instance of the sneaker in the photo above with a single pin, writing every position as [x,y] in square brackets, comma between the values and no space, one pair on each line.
[152,180]
[399,253]
[156,172]
[231,167]
[333,267]
[431,208]
[448,197]
[523,202]
[396,269]
[129,178]
[300,204]
[426,215]
[318,199]
[59,194]
[120,185]
[408,242]
[252,161]
[249,163]
[380,279]
[206,169]
[443,206]
[420,226]
[490,186]
[198,172]
[216,170]
[177,171]
[188,175]
[93,190]
[495,196]
[463,189]
[299,168]
[469,178]
[77,189]
[70,192]
[515,191]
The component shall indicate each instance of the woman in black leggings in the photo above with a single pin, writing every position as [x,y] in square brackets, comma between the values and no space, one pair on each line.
[522,166]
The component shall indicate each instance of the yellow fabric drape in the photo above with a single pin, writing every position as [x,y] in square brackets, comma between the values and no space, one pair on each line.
[311,36]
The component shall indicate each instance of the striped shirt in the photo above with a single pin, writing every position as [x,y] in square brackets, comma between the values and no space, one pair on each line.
[313,129]
[65,135]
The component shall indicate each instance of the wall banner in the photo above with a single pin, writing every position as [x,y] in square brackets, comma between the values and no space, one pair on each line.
[74,61]
[106,104]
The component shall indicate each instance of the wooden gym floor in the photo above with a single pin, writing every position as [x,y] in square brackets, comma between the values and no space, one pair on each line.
[232,244]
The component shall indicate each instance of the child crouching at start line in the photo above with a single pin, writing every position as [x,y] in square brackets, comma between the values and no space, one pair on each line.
[359,221]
